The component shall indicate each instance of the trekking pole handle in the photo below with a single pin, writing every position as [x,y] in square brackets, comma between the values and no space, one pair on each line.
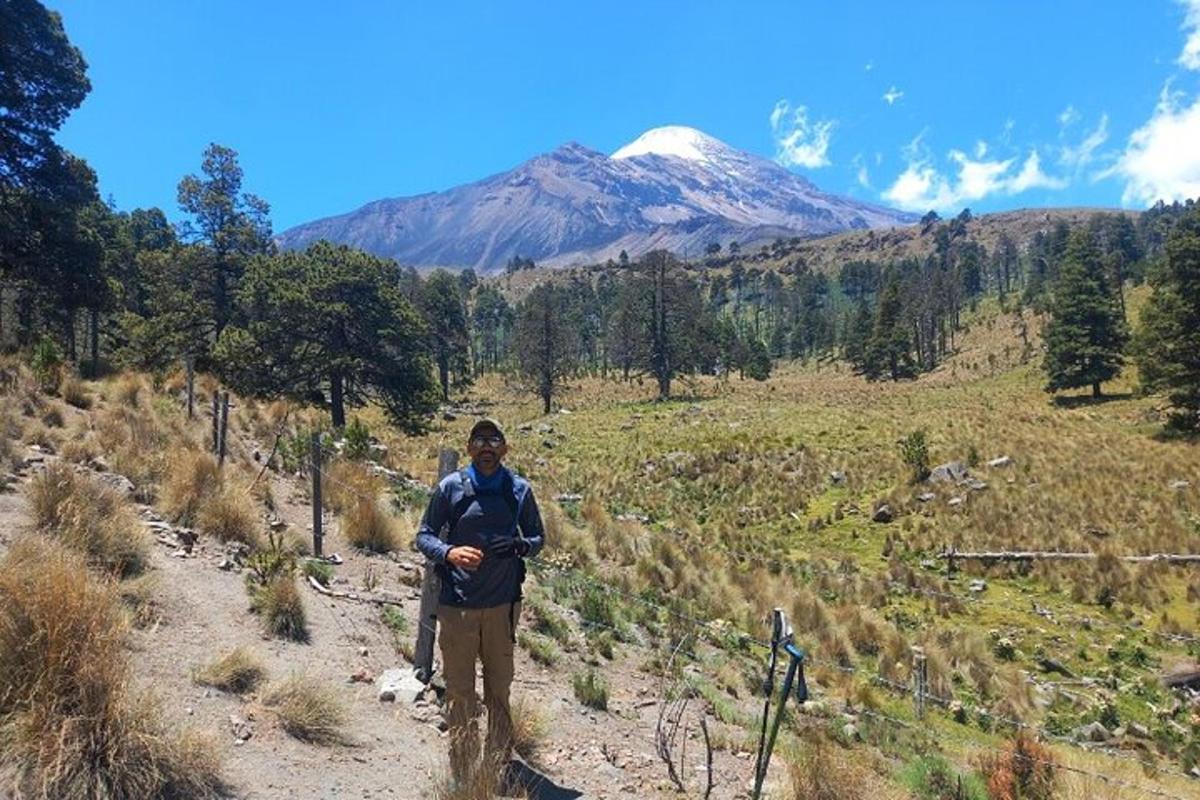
[797,656]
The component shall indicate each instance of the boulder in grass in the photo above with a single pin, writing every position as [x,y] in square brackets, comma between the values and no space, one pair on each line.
[1092,732]
[883,513]
[950,472]
[1000,463]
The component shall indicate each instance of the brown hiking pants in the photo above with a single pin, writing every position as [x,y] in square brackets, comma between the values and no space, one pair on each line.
[465,636]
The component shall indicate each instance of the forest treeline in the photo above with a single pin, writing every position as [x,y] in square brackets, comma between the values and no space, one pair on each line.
[95,287]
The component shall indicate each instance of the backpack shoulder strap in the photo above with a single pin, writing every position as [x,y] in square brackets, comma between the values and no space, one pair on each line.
[464,501]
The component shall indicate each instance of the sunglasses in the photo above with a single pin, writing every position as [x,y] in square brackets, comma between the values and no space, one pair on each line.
[491,441]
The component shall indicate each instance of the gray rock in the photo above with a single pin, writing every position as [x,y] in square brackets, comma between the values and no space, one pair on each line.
[1139,730]
[978,585]
[1179,486]
[837,478]
[883,513]
[544,427]
[549,443]
[242,729]
[975,485]
[567,497]
[850,731]
[950,472]
[399,686]
[1092,732]
[1001,462]
[954,501]
[926,497]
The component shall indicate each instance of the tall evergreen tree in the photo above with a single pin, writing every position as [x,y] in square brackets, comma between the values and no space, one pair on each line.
[547,339]
[1086,335]
[889,349]
[330,322]
[445,312]
[1168,351]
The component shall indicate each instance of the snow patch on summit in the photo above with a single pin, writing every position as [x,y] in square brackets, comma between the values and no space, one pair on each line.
[672,140]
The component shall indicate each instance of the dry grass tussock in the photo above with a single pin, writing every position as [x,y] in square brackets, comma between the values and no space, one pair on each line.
[367,524]
[531,727]
[73,392]
[308,710]
[823,770]
[70,723]
[279,604]
[89,517]
[229,515]
[238,671]
[346,483]
[192,479]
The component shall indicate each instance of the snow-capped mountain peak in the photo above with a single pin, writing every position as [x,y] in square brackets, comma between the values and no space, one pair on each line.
[679,141]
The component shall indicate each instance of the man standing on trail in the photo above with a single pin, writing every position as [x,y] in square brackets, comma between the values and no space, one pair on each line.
[481,564]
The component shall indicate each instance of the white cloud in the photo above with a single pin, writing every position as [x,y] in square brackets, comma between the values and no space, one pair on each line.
[1076,157]
[1068,117]
[1162,159]
[981,149]
[870,65]
[922,186]
[892,95]
[861,174]
[799,143]
[1190,57]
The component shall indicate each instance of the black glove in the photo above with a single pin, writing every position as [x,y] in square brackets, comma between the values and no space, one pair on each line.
[508,547]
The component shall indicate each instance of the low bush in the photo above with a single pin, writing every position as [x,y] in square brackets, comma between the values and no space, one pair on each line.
[540,649]
[823,770]
[70,723]
[591,689]
[366,524]
[238,671]
[1022,770]
[307,710]
[228,516]
[89,517]
[192,478]
[279,604]
[530,729]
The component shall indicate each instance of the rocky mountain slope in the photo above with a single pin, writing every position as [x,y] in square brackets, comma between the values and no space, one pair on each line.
[673,187]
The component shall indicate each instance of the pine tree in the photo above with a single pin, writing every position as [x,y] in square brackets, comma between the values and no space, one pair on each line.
[547,338]
[1168,351]
[1086,336]
[889,349]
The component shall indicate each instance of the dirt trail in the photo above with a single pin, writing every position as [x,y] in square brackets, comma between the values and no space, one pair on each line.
[396,750]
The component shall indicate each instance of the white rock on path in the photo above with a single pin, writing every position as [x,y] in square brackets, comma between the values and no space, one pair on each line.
[399,686]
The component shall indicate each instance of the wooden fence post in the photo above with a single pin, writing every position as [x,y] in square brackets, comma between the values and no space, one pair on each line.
[216,416]
[430,589]
[318,535]
[920,678]
[223,429]
[190,367]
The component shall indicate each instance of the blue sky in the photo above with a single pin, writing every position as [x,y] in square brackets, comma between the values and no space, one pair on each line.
[990,105]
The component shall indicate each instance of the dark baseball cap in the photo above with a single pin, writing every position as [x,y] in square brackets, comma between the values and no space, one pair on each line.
[485,424]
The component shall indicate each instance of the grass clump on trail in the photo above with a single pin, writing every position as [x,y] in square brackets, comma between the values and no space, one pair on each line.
[271,584]
[70,723]
[307,710]
[367,525]
[90,518]
[591,689]
[238,671]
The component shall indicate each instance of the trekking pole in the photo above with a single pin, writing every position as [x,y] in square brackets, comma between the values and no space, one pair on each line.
[795,672]
[778,626]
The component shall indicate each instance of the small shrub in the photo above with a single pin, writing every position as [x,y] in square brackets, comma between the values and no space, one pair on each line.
[70,724]
[90,517]
[547,621]
[540,649]
[321,570]
[914,452]
[46,361]
[279,604]
[52,417]
[591,689]
[228,516]
[307,710]
[602,643]
[1022,770]
[530,729]
[822,770]
[394,619]
[356,440]
[933,778]
[238,671]
[72,391]
[347,483]
[366,524]
[191,479]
